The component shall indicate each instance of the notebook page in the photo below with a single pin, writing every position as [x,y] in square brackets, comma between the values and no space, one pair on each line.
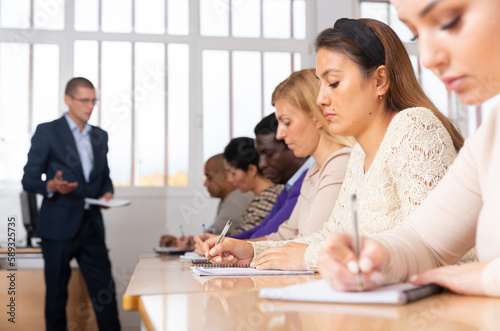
[110,203]
[319,291]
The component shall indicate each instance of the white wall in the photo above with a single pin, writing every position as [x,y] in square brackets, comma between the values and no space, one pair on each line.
[328,11]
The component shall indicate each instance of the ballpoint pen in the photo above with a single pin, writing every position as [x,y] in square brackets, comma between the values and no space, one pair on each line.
[204,231]
[223,233]
[357,238]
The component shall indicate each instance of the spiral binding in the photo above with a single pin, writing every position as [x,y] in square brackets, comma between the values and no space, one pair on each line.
[213,266]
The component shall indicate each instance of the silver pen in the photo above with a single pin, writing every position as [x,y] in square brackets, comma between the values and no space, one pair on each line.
[357,238]
[223,233]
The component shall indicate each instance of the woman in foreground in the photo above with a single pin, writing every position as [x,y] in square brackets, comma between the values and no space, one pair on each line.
[459,41]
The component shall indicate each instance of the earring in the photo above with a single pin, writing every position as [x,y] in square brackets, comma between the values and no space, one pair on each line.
[381,96]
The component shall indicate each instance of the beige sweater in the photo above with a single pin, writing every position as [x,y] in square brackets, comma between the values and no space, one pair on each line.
[318,193]
[463,211]
[412,158]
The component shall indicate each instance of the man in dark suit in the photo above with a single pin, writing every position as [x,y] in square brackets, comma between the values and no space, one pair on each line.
[73,156]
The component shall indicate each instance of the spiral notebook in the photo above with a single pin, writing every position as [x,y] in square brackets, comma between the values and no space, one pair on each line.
[214,270]
[319,291]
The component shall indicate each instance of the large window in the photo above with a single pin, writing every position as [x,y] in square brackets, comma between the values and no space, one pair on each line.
[176,79]
[467,117]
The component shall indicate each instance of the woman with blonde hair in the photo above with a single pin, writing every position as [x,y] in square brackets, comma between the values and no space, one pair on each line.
[368,90]
[304,129]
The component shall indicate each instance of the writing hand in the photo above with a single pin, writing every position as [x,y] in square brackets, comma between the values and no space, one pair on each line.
[185,243]
[339,267]
[288,257]
[229,251]
[168,241]
[58,184]
[198,240]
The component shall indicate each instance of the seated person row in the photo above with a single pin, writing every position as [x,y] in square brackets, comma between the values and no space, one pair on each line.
[242,166]
[242,171]
[405,145]
[277,163]
[463,209]
[232,204]
[307,133]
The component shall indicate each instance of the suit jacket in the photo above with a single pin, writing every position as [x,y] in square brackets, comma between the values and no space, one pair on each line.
[53,148]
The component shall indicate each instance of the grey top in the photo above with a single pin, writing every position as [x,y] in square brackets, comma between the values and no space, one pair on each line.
[233,206]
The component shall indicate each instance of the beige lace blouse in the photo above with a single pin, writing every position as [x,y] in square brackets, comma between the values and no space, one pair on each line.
[413,157]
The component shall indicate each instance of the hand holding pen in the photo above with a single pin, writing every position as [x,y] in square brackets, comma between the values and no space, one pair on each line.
[227,250]
[357,243]
[350,263]
[223,234]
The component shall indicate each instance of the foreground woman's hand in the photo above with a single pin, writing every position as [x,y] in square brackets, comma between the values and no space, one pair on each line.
[288,257]
[229,251]
[339,267]
[463,279]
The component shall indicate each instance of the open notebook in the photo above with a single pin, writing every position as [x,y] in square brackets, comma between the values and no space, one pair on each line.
[110,204]
[235,271]
[319,291]
[190,256]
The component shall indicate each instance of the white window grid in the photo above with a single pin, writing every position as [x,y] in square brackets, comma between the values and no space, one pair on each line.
[65,40]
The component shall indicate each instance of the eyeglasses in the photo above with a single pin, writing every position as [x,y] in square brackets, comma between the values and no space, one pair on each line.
[91,101]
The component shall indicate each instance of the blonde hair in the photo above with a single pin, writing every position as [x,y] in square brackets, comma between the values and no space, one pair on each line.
[301,89]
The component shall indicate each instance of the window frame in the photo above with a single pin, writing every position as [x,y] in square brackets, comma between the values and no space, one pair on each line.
[66,37]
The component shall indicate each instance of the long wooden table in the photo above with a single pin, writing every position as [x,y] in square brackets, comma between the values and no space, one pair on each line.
[169,297]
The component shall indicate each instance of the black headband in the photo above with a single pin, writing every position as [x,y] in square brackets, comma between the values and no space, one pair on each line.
[363,37]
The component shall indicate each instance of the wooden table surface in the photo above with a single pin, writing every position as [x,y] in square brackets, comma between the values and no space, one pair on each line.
[169,297]
[168,275]
[28,250]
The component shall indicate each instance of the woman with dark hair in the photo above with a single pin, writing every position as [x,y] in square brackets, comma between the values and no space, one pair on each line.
[368,90]
[459,42]
[243,172]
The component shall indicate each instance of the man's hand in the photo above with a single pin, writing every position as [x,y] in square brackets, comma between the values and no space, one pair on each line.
[58,184]
[168,241]
[185,243]
[107,196]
